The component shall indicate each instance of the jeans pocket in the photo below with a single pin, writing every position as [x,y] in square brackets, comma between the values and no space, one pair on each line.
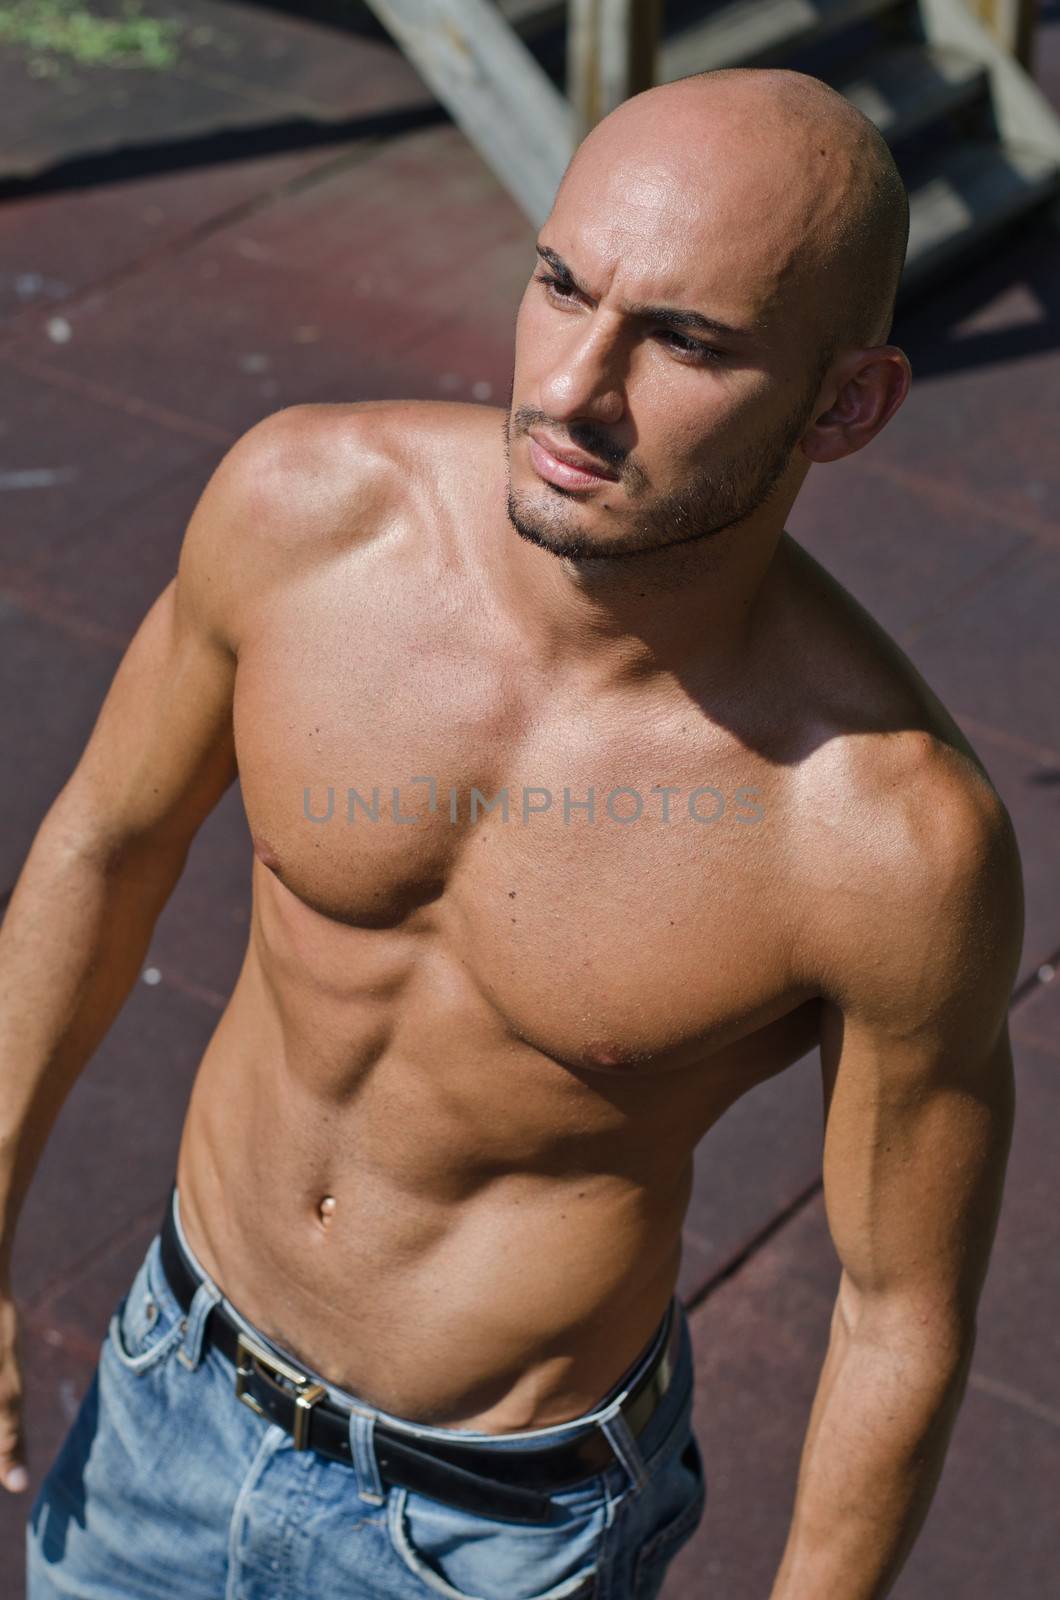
[148,1322]
[466,1556]
[680,1495]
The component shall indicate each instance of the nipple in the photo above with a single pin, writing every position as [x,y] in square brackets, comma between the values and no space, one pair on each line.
[326,1208]
[265,852]
[608,1053]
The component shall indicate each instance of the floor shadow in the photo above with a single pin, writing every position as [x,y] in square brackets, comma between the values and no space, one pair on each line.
[348,16]
[157,157]
[61,1500]
[927,325]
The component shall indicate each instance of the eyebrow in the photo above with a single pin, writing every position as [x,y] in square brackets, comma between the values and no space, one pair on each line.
[673,316]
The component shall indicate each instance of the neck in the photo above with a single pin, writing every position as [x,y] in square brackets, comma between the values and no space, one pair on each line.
[688,607]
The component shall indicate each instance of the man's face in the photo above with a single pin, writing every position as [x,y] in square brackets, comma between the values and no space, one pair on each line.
[654,339]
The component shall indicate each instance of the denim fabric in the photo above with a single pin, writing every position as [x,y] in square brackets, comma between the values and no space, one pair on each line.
[166,1487]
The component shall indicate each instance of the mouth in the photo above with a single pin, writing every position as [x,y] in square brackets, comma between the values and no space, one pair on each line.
[566,467]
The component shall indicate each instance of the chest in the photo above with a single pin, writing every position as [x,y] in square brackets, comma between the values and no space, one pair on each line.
[602,873]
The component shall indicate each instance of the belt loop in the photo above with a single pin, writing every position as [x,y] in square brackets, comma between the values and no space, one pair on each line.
[205,1298]
[616,1431]
[362,1449]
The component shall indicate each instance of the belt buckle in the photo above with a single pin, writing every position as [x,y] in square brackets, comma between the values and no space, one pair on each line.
[251,1358]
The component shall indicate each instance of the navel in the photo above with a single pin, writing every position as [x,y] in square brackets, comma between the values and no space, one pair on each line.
[326,1209]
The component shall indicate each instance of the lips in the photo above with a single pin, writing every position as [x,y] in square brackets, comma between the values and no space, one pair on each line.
[566,467]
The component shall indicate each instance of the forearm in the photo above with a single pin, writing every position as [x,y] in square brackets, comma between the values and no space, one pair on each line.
[874,1451]
[71,945]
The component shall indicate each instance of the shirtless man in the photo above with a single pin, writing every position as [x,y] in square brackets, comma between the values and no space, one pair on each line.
[439,1148]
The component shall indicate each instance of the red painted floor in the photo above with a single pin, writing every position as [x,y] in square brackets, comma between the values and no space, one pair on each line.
[289,218]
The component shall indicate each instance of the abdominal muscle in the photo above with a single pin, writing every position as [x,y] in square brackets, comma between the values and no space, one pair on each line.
[389,1205]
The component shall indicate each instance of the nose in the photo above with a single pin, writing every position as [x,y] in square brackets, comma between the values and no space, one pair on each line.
[586,381]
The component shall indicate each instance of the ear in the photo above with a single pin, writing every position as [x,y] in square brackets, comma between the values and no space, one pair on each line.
[860,395]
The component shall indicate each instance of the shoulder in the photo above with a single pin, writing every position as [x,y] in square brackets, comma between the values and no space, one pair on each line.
[296,467]
[313,467]
[919,908]
[908,859]
[305,485]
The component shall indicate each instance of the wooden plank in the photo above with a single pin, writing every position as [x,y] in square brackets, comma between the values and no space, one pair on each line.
[910,86]
[1024,115]
[751,33]
[492,87]
[971,192]
[1012,23]
[611,51]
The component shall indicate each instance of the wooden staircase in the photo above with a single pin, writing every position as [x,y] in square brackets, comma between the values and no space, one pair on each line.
[976,141]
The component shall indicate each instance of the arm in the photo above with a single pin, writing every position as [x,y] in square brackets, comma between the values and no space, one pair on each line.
[919,1106]
[110,850]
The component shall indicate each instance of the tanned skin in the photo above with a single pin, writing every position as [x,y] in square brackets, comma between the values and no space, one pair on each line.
[494,1046]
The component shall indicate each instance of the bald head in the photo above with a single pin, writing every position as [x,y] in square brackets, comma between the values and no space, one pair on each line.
[785,182]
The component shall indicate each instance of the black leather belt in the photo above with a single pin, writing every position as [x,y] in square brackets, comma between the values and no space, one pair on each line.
[512,1485]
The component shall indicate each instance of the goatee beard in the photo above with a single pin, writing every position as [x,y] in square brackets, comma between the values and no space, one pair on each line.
[708,506]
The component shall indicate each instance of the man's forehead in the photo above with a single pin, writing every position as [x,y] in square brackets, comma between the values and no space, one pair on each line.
[648,238]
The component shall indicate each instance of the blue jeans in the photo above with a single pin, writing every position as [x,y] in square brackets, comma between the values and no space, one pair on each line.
[167,1488]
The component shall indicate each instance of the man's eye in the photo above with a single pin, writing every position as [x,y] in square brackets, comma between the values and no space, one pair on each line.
[680,344]
[555,286]
[684,346]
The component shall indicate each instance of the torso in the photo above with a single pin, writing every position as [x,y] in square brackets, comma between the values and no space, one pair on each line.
[495,1044]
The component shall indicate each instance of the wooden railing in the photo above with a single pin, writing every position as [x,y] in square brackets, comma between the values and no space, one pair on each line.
[1012,22]
[611,51]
